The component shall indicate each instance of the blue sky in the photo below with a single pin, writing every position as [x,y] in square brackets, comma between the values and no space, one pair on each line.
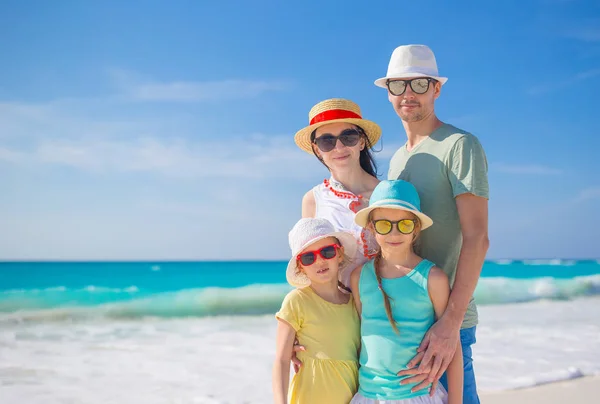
[155,130]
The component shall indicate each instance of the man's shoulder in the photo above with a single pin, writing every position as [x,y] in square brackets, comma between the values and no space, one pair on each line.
[399,151]
[448,133]
[449,138]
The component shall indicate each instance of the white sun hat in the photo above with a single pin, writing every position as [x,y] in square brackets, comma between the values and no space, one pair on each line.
[411,61]
[308,231]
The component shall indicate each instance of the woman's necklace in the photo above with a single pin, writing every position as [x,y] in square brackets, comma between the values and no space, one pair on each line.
[340,191]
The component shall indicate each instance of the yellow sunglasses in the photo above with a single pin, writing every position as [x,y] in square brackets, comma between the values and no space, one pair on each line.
[384,226]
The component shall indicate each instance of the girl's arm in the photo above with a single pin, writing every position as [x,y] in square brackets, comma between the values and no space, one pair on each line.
[281,367]
[439,292]
[354,278]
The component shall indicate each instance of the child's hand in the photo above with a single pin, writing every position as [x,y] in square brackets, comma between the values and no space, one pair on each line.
[295,361]
[417,377]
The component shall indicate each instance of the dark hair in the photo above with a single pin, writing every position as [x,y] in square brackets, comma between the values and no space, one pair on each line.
[367,162]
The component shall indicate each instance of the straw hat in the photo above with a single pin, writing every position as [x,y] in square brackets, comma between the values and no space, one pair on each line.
[411,61]
[331,111]
[394,194]
[308,231]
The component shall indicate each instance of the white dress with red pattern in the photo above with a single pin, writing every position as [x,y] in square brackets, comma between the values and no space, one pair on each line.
[339,207]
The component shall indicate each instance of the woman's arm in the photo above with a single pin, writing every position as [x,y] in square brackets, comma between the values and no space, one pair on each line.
[309,205]
[281,367]
[354,279]
[439,292]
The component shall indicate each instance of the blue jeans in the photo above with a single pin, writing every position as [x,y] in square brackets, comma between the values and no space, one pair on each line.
[467,338]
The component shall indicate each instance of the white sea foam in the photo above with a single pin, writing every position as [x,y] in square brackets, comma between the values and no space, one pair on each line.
[503,262]
[228,359]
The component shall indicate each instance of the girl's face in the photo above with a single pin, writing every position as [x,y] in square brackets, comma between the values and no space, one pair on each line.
[382,219]
[321,270]
[346,151]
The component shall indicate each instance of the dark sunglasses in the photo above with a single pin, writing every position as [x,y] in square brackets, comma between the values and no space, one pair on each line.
[384,226]
[310,257]
[348,137]
[419,86]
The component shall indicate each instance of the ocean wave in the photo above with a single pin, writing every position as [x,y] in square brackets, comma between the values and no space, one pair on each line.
[501,290]
[503,262]
[60,303]
[248,300]
[551,262]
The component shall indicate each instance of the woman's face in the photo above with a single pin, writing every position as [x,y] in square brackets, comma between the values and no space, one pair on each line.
[340,156]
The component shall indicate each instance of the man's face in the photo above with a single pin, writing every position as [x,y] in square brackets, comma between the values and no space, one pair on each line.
[413,107]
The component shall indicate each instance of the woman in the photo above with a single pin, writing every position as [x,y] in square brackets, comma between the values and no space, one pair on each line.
[342,140]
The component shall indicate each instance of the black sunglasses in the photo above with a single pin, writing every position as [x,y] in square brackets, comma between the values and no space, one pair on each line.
[419,86]
[348,137]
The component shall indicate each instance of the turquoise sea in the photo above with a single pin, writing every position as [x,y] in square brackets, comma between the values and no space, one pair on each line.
[180,289]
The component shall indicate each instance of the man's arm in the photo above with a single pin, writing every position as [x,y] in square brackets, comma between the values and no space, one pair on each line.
[443,335]
[473,216]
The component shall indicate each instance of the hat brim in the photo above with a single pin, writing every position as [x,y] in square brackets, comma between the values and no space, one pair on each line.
[372,130]
[381,82]
[362,215]
[347,240]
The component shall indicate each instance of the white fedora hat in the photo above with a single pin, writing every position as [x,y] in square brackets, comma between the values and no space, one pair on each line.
[308,231]
[411,61]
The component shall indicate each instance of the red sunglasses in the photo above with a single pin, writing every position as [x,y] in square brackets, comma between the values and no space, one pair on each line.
[310,257]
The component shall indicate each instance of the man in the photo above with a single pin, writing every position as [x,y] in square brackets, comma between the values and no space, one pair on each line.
[448,167]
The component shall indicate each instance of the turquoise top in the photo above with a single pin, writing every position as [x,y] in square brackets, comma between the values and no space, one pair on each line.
[383,352]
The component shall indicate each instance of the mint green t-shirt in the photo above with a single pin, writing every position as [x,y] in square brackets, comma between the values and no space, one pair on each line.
[448,163]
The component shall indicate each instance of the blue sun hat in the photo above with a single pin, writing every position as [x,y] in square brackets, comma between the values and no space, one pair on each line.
[394,194]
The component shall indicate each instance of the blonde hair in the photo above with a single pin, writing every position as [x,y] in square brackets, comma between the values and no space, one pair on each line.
[377,261]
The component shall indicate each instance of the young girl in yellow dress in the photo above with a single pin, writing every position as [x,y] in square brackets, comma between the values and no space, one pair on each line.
[320,316]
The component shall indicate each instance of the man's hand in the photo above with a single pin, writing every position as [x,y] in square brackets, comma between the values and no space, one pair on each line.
[433,355]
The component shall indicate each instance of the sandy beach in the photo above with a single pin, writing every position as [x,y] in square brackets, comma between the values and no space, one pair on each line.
[578,391]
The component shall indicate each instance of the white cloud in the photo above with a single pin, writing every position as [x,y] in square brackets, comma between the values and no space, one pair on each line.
[588,194]
[109,135]
[256,156]
[202,91]
[136,87]
[533,169]
[563,83]
[586,33]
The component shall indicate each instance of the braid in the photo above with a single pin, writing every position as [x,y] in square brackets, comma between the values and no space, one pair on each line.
[386,298]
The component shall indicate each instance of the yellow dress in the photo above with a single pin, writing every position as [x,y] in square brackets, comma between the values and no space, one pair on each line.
[331,335]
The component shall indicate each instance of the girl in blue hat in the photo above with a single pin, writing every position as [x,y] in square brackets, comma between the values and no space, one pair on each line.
[398,296]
